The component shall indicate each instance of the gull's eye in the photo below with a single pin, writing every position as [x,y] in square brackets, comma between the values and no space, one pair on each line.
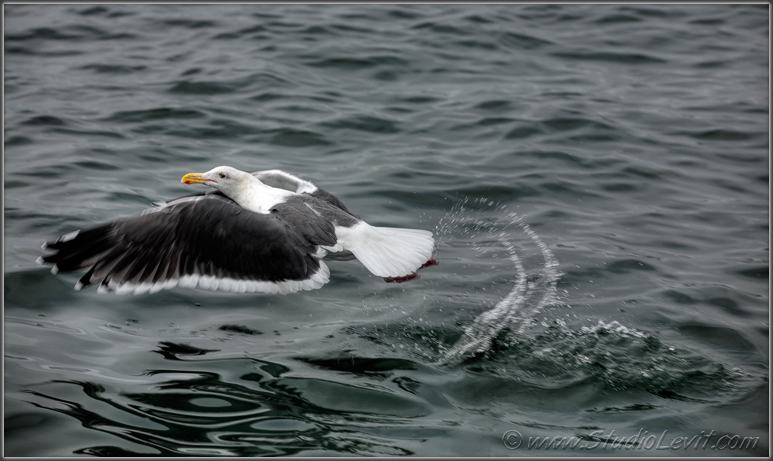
[222,175]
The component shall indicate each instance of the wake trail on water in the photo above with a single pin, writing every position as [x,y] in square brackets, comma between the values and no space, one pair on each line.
[530,293]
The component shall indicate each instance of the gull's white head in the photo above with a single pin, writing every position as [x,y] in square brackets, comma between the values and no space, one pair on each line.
[228,180]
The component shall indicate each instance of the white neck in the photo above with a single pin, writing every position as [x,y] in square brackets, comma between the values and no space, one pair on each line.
[259,197]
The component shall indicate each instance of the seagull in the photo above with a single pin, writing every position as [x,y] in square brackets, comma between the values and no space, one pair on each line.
[266,232]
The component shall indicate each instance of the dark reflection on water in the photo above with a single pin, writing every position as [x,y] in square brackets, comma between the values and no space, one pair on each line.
[369,406]
[596,176]
[263,413]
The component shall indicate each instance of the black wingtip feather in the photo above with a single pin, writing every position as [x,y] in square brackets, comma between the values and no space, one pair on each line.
[73,253]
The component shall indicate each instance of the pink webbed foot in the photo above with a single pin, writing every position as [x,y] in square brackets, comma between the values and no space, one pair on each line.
[404,278]
[431,262]
[412,275]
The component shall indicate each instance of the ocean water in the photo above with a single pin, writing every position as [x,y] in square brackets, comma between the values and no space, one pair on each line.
[596,177]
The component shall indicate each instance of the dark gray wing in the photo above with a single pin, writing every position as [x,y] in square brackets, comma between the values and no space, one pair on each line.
[284,180]
[203,240]
[332,199]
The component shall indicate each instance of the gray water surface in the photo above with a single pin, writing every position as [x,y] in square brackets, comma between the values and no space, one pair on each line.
[596,177]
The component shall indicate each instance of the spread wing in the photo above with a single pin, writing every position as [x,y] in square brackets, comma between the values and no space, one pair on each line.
[205,241]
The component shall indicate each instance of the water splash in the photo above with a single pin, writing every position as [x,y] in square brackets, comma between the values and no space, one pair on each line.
[560,356]
[530,293]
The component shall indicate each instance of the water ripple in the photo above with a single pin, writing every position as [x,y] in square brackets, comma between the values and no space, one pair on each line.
[632,140]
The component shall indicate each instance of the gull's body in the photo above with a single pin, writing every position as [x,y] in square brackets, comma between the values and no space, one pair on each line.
[261,232]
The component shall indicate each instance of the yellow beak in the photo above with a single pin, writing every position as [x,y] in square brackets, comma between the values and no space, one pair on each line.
[194,178]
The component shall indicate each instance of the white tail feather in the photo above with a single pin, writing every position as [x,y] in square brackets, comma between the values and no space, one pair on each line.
[387,251]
